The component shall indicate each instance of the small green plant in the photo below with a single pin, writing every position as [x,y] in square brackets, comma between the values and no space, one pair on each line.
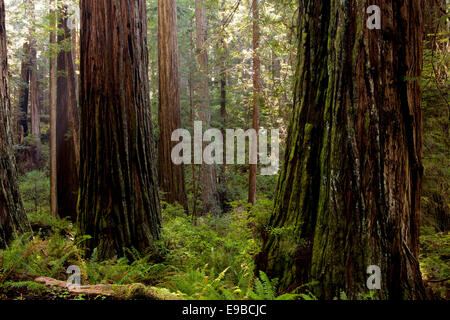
[35,190]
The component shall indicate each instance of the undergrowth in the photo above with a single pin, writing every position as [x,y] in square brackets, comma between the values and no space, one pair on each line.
[209,259]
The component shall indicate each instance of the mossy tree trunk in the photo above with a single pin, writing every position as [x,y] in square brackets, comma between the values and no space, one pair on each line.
[66,124]
[118,204]
[171,176]
[13,219]
[349,192]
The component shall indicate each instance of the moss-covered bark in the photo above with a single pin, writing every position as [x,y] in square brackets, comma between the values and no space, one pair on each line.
[13,219]
[118,204]
[349,191]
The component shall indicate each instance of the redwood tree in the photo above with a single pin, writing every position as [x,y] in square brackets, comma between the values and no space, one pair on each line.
[53,116]
[256,98]
[118,203]
[66,124]
[208,176]
[13,219]
[349,191]
[35,113]
[171,176]
[24,92]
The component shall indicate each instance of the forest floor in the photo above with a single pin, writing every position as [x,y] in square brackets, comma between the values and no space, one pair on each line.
[24,287]
[212,259]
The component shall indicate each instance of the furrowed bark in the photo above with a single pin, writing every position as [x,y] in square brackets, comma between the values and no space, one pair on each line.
[118,204]
[13,220]
[351,180]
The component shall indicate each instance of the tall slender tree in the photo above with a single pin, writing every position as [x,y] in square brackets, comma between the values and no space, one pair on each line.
[66,124]
[34,89]
[53,112]
[256,99]
[222,56]
[118,204]
[171,176]
[208,176]
[350,184]
[24,92]
[13,219]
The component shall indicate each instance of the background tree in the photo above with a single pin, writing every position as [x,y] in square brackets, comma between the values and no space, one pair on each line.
[13,220]
[256,98]
[24,92]
[34,89]
[350,186]
[66,124]
[208,176]
[53,112]
[171,176]
[118,197]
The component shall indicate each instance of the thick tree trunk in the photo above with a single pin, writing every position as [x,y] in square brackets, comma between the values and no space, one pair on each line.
[350,185]
[171,176]
[118,203]
[209,197]
[66,125]
[13,219]
[24,92]
[256,99]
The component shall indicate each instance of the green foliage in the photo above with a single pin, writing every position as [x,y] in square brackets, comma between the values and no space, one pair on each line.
[435,258]
[212,259]
[35,190]
[436,114]
[27,286]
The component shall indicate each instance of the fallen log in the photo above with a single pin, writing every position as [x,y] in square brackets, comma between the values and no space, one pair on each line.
[136,291]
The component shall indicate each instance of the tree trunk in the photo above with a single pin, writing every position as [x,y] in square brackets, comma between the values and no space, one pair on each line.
[210,203]
[118,203]
[24,92]
[222,56]
[13,219]
[53,118]
[34,92]
[256,99]
[66,125]
[34,107]
[351,180]
[192,120]
[171,176]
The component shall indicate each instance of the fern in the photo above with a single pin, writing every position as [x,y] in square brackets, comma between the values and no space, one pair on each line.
[34,287]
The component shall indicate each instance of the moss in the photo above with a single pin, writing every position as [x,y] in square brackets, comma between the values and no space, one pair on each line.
[138,291]
[28,286]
